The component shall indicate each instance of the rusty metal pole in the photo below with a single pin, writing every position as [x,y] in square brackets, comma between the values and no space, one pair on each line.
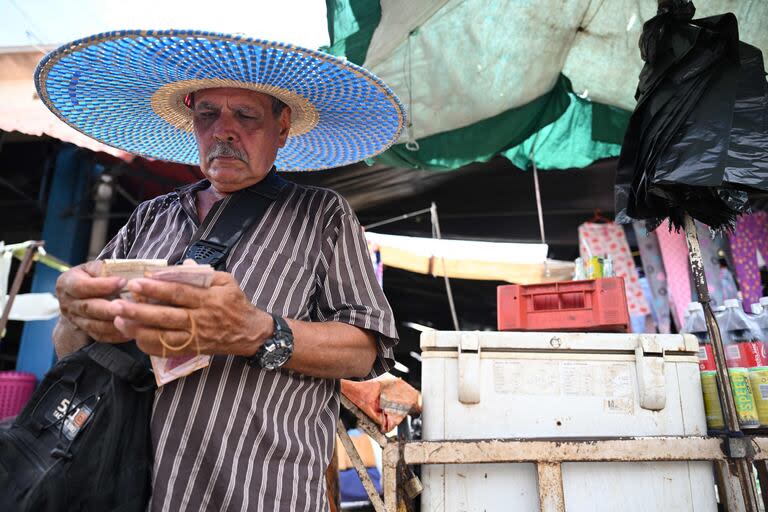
[743,466]
[550,481]
[390,460]
[357,463]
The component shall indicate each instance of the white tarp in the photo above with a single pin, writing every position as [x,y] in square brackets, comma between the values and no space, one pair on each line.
[470,259]
[33,306]
[26,306]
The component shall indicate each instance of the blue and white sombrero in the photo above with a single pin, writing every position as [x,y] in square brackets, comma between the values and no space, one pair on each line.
[127,89]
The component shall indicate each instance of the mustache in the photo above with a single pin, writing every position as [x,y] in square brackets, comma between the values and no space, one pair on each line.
[227,150]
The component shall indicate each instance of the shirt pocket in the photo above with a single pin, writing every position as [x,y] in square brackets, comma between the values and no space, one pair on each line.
[278,283]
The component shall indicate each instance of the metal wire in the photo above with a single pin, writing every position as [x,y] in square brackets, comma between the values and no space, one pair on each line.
[436,234]
[398,218]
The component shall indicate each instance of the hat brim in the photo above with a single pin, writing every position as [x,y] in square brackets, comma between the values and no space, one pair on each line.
[126,89]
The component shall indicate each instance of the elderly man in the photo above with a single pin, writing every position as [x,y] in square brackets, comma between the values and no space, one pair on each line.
[241,434]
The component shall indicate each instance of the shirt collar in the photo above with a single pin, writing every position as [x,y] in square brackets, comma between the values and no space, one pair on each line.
[270,186]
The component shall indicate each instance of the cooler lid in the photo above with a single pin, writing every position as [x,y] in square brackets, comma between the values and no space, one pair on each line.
[490,341]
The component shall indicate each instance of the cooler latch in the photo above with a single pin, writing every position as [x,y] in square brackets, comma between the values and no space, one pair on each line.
[651,384]
[469,368]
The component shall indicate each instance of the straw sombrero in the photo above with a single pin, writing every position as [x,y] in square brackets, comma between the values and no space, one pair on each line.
[127,89]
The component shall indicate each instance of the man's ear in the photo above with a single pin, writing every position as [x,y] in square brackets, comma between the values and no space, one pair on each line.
[285,124]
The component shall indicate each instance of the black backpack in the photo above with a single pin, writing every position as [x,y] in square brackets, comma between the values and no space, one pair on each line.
[82,442]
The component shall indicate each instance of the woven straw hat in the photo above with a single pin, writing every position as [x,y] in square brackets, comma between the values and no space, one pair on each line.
[127,89]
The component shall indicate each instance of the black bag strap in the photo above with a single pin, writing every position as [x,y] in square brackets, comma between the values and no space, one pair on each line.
[229,219]
[129,367]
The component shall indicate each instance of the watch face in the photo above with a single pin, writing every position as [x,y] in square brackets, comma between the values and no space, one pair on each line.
[276,358]
[276,352]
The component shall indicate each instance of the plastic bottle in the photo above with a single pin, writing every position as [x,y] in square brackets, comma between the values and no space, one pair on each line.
[695,324]
[758,376]
[579,273]
[746,360]
[760,312]
[608,266]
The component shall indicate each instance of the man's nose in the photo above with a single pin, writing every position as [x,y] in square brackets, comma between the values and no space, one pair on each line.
[223,131]
[224,137]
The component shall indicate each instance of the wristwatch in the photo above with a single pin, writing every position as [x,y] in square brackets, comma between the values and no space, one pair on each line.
[277,350]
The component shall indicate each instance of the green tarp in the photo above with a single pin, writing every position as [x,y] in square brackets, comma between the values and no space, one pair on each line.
[486,77]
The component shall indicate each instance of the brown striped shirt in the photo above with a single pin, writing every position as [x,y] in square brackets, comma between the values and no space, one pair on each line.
[236,438]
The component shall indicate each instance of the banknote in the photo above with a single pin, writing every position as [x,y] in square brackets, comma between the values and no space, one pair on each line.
[166,369]
[130,269]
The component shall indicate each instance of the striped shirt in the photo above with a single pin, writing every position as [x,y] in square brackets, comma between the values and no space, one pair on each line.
[232,437]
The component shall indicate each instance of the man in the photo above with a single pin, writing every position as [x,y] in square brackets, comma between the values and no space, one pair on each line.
[240,434]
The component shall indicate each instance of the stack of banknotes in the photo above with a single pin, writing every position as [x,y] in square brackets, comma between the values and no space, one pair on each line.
[166,369]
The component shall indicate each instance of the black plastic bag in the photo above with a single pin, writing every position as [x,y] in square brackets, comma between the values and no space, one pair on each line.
[697,141]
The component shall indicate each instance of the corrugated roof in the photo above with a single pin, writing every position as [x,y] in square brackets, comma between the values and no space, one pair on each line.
[21,109]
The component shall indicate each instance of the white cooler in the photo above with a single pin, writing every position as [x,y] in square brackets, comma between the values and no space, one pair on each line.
[490,385]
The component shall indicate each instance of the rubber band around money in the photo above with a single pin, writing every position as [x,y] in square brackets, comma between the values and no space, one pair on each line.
[187,342]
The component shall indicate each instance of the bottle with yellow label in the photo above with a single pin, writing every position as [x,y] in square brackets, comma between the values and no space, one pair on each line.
[744,351]
[758,375]
[739,375]
[712,407]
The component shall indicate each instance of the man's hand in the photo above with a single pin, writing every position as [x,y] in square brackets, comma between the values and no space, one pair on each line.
[83,301]
[221,318]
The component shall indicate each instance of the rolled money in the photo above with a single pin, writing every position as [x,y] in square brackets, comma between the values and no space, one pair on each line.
[168,369]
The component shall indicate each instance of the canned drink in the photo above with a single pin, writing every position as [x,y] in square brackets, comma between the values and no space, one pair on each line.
[742,396]
[712,408]
[594,267]
[758,380]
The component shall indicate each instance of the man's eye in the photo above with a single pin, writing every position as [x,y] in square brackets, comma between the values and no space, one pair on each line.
[206,115]
[246,115]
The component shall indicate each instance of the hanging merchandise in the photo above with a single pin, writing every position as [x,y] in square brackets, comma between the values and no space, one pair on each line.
[749,237]
[650,256]
[652,321]
[674,252]
[695,324]
[609,239]
[711,261]
[747,363]
[697,140]
[728,283]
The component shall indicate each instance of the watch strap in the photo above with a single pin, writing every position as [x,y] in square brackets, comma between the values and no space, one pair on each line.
[280,325]
[281,330]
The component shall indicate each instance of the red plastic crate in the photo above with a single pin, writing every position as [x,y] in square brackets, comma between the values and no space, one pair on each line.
[596,305]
